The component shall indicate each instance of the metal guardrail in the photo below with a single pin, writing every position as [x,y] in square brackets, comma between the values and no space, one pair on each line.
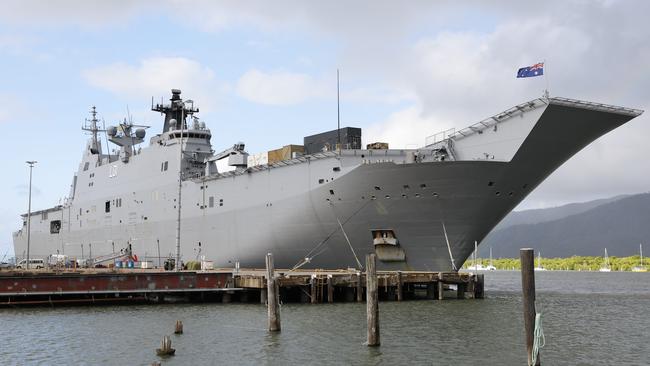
[486,123]
[595,106]
[523,108]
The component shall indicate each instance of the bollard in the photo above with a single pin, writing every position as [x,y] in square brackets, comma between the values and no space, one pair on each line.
[179,327]
[273,294]
[527,258]
[165,347]
[372,297]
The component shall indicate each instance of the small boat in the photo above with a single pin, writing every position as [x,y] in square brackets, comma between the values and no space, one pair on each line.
[539,263]
[640,268]
[479,266]
[606,267]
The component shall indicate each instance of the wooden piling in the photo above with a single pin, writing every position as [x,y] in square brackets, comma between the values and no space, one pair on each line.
[263,296]
[400,294]
[165,347]
[460,291]
[359,288]
[273,300]
[441,287]
[372,300]
[226,298]
[479,286]
[178,329]
[431,290]
[527,257]
[330,289]
[314,289]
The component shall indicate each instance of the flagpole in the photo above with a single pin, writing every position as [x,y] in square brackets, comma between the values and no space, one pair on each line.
[546,92]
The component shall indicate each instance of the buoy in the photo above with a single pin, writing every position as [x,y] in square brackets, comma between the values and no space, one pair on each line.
[165,347]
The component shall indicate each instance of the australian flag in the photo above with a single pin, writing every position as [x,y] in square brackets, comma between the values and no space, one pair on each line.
[531,71]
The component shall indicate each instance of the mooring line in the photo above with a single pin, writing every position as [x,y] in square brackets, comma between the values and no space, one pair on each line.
[444,229]
[349,244]
[307,258]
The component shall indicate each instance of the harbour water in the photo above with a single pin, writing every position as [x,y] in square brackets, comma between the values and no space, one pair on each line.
[589,318]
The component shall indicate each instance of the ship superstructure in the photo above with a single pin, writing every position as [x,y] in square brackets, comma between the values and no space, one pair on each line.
[415,208]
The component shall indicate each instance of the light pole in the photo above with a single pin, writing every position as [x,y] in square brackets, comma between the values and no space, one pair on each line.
[177,264]
[29,209]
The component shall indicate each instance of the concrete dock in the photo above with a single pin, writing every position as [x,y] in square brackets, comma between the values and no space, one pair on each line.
[95,286]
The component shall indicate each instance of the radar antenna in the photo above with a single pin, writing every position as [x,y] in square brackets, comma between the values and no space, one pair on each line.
[90,125]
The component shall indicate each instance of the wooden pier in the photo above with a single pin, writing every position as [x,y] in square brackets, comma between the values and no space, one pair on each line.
[43,287]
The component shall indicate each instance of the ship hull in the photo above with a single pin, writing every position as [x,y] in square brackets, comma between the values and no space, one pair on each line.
[325,212]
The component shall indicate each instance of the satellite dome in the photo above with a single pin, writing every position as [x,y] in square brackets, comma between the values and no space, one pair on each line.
[140,132]
[173,123]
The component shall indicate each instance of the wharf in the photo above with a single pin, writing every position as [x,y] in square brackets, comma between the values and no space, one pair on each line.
[96,286]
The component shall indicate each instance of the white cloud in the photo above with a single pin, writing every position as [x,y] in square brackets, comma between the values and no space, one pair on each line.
[406,128]
[278,87]
[85,13]
[156,75]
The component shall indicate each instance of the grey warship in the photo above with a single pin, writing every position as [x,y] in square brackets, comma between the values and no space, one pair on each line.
[417,209]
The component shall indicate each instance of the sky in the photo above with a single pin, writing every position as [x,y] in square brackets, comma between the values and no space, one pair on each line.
[264,73]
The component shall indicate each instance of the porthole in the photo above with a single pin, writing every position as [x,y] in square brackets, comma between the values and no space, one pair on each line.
[377,188]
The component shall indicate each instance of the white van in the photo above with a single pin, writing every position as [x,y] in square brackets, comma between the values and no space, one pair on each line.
[33,263]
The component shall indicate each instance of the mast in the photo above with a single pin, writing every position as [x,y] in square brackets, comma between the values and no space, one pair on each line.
[641,253]
[338,111]
[475,255]
[490,256]
[91,126]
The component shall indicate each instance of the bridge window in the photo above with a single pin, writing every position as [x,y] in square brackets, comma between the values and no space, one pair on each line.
[55,226]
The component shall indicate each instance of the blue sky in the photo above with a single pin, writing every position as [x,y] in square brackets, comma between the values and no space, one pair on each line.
[265,73]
